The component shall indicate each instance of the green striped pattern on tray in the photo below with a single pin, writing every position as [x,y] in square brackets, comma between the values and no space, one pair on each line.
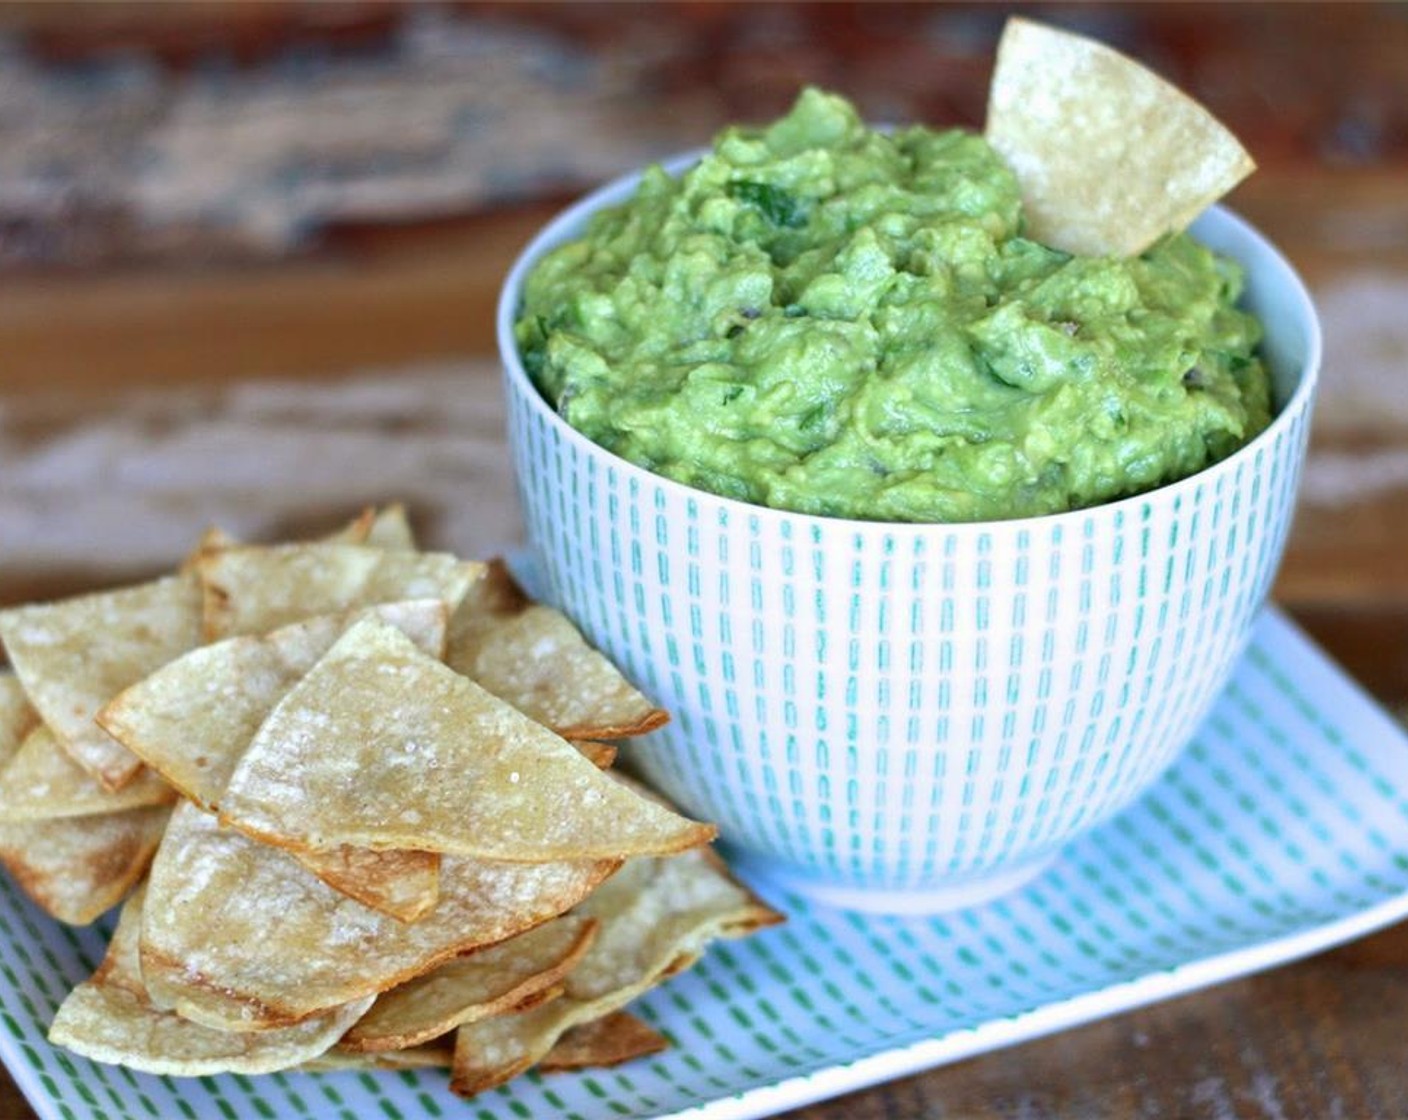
[1283,828]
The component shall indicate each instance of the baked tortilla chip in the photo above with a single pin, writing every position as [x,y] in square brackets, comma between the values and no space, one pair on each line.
[438,1054]
[600,755]
[254,589]
[17,717]
[75,655]
[608,1041]
[384,528]
[656,916]
[192,720]
[42,782]
[240,936]
[440,765]
[213,539]
[534,658]
[355,531]
[77,868]
[110,1018]
[1109,156]
[405,884]
[391,529]
[487,982]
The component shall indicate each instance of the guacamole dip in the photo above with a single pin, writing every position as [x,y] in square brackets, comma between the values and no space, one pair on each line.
[824,318]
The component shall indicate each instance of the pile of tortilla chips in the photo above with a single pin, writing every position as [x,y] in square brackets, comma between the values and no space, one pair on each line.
[356,798]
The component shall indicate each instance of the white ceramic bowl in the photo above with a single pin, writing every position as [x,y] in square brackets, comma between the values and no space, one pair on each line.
[914,717]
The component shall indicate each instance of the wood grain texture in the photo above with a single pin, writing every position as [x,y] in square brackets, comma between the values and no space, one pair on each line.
[392,298]
[166,132]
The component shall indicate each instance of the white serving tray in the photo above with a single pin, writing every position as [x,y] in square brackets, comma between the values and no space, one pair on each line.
[1281,831]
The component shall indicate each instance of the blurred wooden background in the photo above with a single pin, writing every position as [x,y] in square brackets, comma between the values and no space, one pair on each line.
[248,259]
[198,196]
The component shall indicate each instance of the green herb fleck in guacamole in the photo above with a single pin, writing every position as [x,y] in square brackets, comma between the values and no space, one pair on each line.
[823,318]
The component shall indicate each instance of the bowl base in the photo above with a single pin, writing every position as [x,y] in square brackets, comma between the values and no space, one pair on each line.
[772,879]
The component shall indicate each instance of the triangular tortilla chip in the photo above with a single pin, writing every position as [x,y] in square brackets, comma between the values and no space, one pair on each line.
[608,1041]
[538,998]
[17,717]
[391,529]
[487,982]
[77,654]
[382,528]
[403,884]
[355,531]
[78,868]
[240,936]
[109,1018]
[440,765]
[1109,156]
[254,589]
[654,915]
[27,850]
[534,658]
[42,782]
[600,755]
[213,539]
[192,720]
[437,1054]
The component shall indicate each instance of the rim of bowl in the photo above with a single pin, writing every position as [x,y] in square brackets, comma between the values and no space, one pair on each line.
[563,225]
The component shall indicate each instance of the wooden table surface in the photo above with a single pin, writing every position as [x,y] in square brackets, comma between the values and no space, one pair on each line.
[141,399]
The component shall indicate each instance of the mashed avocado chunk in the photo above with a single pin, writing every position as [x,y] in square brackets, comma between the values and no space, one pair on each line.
[824,318]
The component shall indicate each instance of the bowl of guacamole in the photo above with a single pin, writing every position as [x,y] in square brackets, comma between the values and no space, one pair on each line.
[936,542]
[822,317]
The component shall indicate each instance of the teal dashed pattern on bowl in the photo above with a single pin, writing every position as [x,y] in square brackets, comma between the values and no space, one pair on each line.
[913,716]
